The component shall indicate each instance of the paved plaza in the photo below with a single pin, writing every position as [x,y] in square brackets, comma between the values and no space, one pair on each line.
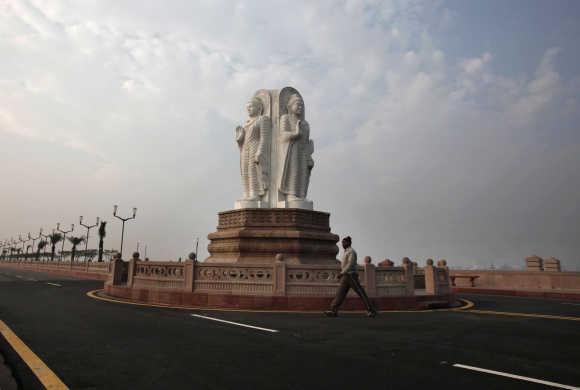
[92,344]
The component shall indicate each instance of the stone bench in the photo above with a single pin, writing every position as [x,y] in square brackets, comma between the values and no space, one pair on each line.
[470,277]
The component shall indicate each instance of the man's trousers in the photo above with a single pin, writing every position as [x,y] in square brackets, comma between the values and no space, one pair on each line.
[348,281]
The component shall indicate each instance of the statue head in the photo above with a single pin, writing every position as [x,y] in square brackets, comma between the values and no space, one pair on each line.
[295,105]
[255,107]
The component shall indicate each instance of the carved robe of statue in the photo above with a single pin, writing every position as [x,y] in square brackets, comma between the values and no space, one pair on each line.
[253,139]
[297,149]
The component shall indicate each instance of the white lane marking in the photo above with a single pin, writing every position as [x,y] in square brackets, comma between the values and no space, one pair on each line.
[235,323]
[32,280]
[18,276]
[523,378]
[567,303]
[54,284]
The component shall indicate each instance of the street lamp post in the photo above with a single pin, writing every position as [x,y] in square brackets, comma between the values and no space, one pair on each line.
[23,241]
[88,227]
[45,236]
[34,238]
[64,233]
[13,248]
[124,220]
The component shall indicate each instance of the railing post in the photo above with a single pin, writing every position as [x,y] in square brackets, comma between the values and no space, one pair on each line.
[116,275]
[132,271]
[443,264]
[189,272]
[409,269]
[370,278]
[430,278]
[279,278]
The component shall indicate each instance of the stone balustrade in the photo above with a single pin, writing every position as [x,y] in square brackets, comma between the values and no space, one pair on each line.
[277,279]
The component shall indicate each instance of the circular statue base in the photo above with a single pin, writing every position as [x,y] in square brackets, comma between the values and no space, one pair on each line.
[271,303]
[257,236]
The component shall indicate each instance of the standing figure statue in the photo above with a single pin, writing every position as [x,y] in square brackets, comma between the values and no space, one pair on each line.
[253,139]
[296,150]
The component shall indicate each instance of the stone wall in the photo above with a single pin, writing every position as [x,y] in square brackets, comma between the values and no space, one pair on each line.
[539,280]
[86,270]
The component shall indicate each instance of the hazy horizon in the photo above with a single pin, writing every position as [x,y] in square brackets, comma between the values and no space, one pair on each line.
[445,129]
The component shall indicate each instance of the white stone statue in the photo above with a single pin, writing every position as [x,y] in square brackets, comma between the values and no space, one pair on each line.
[275,154]
[253,139]
[296,150]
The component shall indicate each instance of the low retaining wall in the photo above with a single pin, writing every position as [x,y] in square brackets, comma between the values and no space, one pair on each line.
[518,280]
[90,270]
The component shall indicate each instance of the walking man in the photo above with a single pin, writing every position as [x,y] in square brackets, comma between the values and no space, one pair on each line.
[349,279]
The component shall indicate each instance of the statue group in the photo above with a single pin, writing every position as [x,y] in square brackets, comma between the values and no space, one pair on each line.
[275,151]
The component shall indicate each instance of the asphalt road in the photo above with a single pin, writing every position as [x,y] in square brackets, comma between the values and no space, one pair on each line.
[92,344]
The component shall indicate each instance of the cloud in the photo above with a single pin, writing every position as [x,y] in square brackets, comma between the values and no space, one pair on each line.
[420,150]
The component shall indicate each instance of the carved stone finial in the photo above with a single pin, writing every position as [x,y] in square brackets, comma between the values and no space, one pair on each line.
[430,262]
[192,256]
[367,259]
[442,263]
[280,258]
[406,260]
[136,255]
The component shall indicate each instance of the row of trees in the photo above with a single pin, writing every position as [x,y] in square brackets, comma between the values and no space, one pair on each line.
[11,251]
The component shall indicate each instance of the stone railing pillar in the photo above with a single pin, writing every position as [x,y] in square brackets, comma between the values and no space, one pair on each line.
[443,264]
[189,273]
[279,278]
[430,278]
[116,275]
[409,269]
[370,278]
[132,271]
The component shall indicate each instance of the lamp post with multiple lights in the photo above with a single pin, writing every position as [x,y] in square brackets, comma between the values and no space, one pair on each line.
[34,238]
[88,227]
[124,220]
[64,233]
[23,241]
[45,236]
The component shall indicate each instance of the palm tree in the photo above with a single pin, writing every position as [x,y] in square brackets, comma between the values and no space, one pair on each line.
[75,241]
[102,234]
[40,247]
[54,238]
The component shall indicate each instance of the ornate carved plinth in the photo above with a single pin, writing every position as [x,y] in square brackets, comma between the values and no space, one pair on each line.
[256,236]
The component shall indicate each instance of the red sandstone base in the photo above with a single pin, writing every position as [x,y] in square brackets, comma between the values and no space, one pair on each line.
[273,303]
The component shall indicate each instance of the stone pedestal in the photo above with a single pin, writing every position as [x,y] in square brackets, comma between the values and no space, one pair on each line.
[257,235]
[534,263]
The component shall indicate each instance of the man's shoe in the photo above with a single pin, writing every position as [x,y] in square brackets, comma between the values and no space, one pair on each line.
[330,313]
[371,314]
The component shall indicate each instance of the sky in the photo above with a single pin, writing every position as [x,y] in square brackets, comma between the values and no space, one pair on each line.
[442,129]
